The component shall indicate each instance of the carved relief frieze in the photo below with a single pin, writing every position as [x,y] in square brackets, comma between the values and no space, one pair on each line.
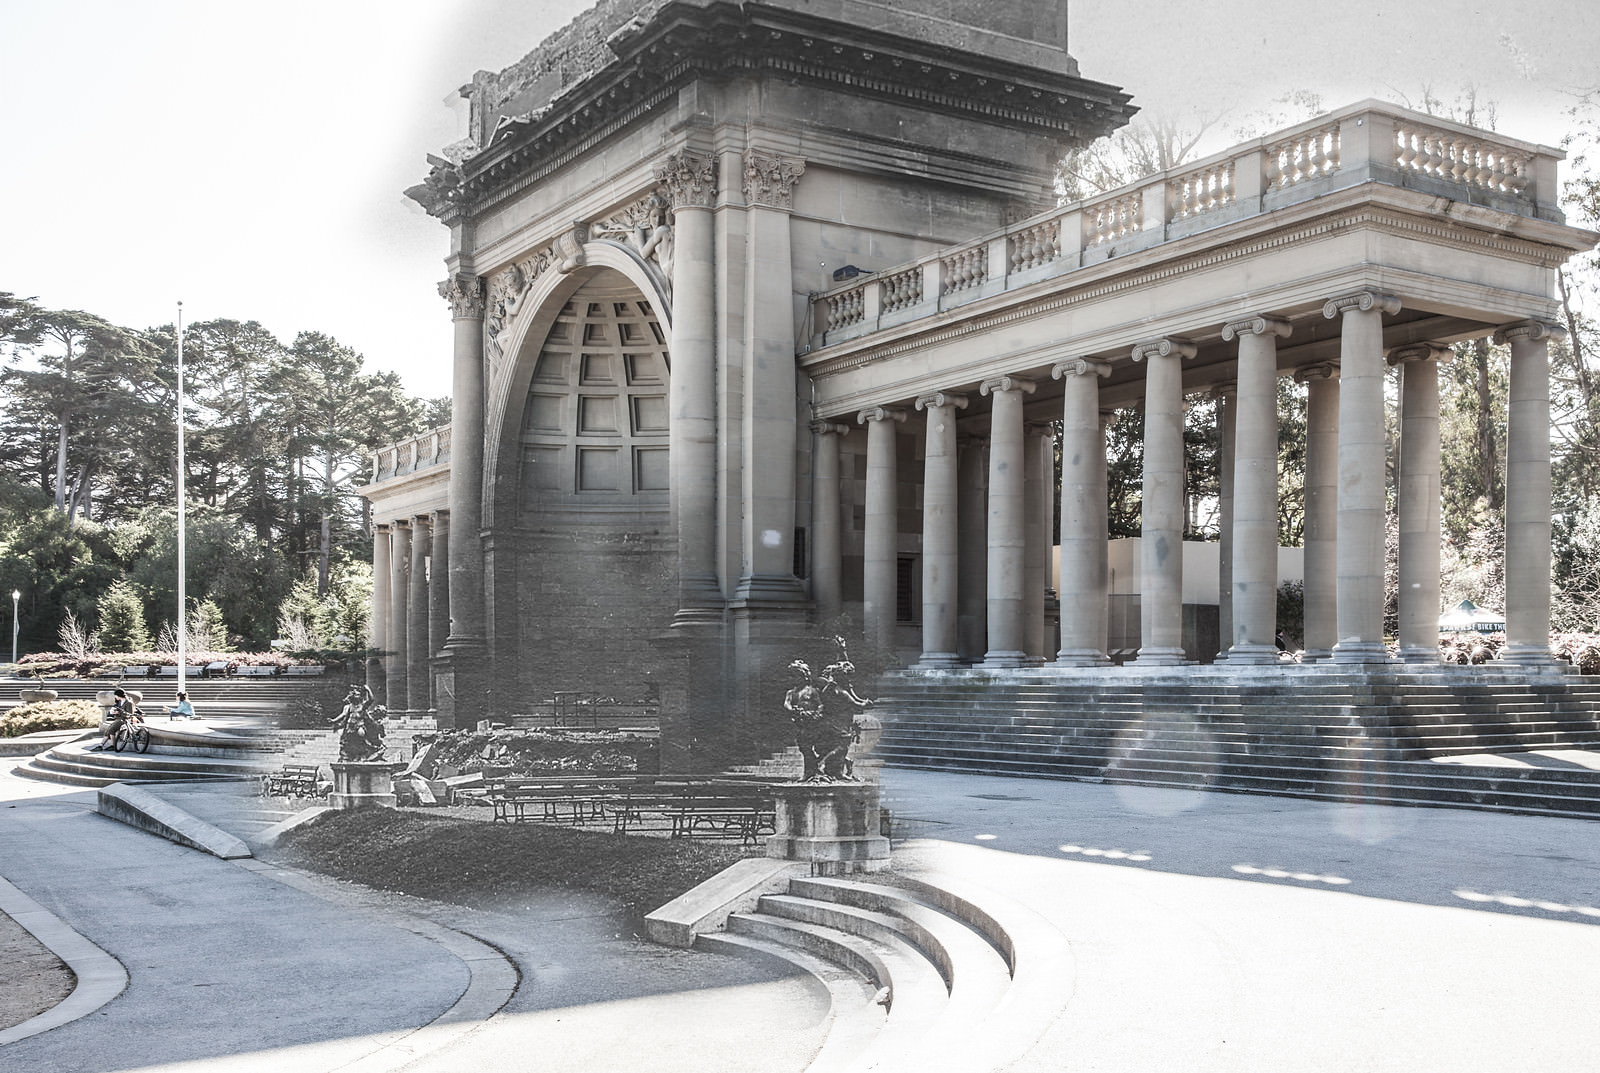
[770,178]
[644,226]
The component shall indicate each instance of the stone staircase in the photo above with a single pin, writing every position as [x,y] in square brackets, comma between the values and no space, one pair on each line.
[921,976]
[178,752]
[1298,731]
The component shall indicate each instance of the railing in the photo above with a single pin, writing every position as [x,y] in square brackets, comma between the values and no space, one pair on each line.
[408,456]
[1367,142]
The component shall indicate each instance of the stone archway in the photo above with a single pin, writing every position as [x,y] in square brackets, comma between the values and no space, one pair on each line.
[582,551]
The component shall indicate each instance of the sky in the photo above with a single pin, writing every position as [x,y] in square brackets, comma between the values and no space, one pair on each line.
[249,159]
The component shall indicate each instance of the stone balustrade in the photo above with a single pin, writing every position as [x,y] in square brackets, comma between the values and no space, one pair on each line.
[1367,142]
[397,459]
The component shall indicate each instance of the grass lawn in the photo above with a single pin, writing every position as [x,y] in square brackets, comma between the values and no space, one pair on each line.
[471,862]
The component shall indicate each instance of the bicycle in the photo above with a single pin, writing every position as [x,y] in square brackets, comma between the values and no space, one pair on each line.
[132,733]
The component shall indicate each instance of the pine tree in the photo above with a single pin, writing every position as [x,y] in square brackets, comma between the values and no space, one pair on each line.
[122,625]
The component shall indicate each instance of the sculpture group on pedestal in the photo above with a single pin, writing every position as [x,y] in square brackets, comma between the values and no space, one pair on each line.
[823,707]
[360,726]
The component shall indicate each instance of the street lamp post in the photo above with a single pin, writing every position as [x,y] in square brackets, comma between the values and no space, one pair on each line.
[16,595]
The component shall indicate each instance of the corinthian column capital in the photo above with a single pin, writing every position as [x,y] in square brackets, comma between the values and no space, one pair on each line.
[690,179]
[1362,301]
[1161,348]
[1257,325]
[770,178]
[1527,331]
[465,293]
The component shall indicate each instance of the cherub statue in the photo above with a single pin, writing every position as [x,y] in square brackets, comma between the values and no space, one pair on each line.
[823,708]
[360,726]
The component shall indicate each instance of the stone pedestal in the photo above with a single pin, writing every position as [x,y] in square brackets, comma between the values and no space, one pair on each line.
[834,826]
[362,784]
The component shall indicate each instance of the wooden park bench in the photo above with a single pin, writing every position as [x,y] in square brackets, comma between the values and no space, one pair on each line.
[585,798]
[305,672]
[197,671]
[699,808]
[292,780]
[249,671]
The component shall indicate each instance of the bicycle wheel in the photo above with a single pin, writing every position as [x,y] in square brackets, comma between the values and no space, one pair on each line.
[120,741]
[141,740]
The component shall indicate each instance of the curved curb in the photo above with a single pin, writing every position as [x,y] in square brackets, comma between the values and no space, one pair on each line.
[101,977]
[493,977]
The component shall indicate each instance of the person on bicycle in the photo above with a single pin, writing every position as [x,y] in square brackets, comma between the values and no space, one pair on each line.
[116,717]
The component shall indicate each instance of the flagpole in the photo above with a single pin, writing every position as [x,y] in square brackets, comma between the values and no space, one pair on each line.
[183,625]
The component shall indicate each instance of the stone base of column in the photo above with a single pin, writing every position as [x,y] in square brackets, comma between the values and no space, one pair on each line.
[1360,653]
[697,616]
[460,679]
[1082,657]
[1419,654]
[1316,655]
[1253,655]
[1531,658]
[937,661]
[769,590]
[1159,657]
[1003,661]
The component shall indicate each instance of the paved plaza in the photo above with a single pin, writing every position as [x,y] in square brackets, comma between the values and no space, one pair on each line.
[1207,932]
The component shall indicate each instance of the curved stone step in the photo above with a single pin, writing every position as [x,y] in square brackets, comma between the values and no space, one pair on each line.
[76,764]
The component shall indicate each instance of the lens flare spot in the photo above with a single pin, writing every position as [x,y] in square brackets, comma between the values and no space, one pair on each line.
[985,838]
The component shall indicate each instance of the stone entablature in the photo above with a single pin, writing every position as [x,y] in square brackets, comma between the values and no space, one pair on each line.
[1369,142]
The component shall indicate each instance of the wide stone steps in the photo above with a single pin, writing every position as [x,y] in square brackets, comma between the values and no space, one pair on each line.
[943,963]
[76,764]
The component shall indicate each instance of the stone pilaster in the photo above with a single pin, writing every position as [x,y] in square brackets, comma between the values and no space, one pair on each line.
[770,388]
[1084,566]
[463,685]
[399,616]
[1255,491]
[417,699]
[1162,507]
[378,625]
[882,526]
[827,582]
[1418,500]
[1007,522]
[941,536]
[1321,509]
[690,179]
[1528,495]
[1362,456]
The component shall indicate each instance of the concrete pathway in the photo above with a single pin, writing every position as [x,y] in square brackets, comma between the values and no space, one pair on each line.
[1226,932]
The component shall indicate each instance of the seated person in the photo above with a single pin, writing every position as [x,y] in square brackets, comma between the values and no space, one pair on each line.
[115,718]
[183,709]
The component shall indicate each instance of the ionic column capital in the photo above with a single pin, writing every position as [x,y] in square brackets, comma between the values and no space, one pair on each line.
[1107,419]
[1414,352]
[690,179]
[381,528]
[400,524]
[770,178]
[941,398]
[420,520]
[1162,348]
[1361,301]
[829,428]
[880,413]
[1256,325]
[1037,429]
[1224,389]
[1322,370]
[1527,331]
[1007,383]
[441,515]
[1079,367]
[465,293]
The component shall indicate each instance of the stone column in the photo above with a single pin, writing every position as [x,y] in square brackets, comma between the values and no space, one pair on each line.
[439,586]
[1418,500]
[690,179]
[770,398]
[1226,396]
[882,535]
[1255,491]
[1008,520]
[1162,507]
[399,614]
[1321,508]
[941,535]
[378,625]
[827,588]
[1362,455]
[1083,515]
[972,584]
[463,683]
[417,618]
[1036,540]
[1528,495]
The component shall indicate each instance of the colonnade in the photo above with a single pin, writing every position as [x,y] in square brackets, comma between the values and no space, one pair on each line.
[1345,504]
[410,608]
